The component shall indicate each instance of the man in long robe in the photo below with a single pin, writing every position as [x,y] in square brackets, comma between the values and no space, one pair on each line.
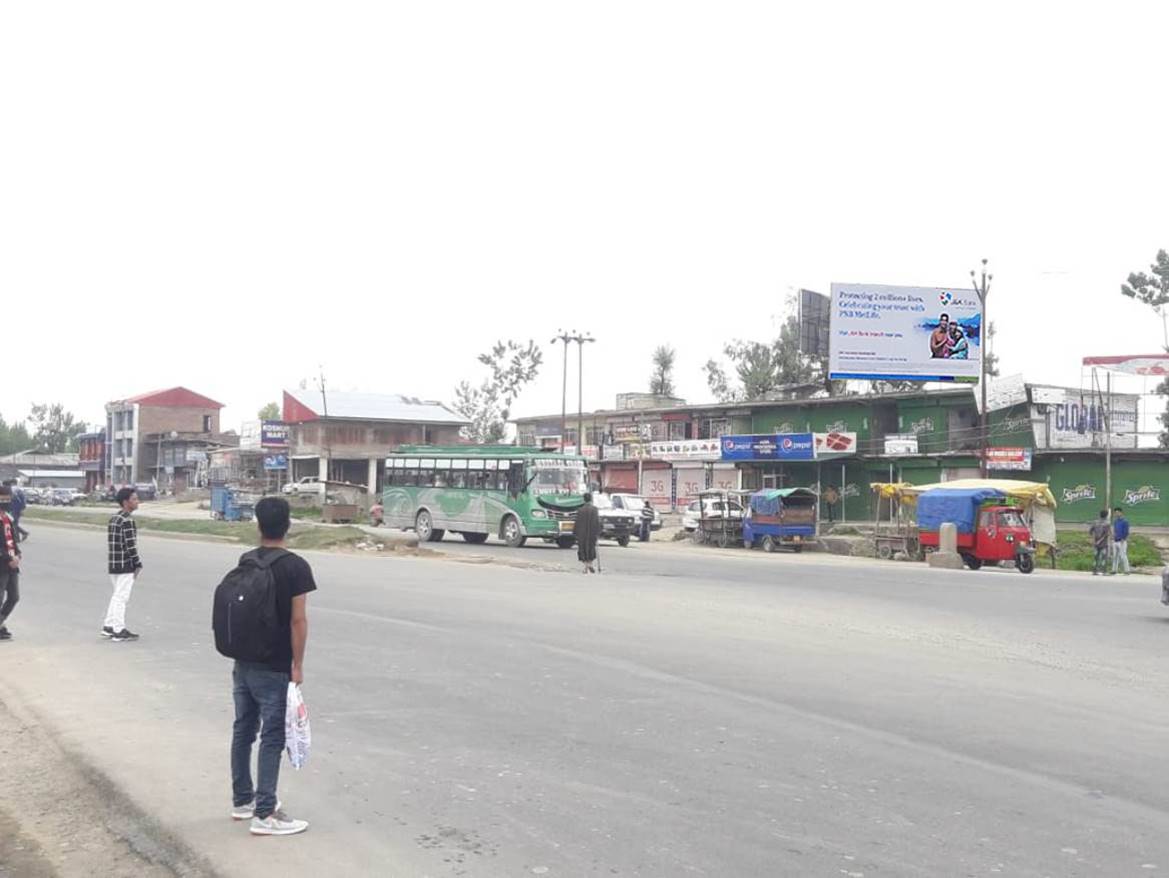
[587,530]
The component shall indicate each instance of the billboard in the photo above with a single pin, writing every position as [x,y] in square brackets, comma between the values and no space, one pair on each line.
[686,449]
[778,446]
[905,333]
[275,462]
[1067,418]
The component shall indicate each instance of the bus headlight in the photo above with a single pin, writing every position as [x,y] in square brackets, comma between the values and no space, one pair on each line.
[539,513]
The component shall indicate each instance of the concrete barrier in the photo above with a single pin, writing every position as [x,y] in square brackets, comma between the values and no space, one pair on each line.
[947,557]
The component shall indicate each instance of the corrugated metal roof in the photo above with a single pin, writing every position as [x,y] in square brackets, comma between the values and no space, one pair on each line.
[41,460]
[377,407]
[52,474]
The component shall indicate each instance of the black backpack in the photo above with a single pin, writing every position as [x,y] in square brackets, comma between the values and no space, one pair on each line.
[244,613]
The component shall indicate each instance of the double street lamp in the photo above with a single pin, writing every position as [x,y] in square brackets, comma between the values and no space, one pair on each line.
[581,340]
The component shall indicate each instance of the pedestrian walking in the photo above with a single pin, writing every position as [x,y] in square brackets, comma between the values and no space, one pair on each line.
[9,562]
[587,530]
[260,619]
[1120,530]
[124,565]
[1100,533]
[19,502]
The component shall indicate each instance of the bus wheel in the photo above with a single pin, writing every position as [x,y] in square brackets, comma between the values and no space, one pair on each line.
[565,542]
[511,532]
[424,527]
[474,538]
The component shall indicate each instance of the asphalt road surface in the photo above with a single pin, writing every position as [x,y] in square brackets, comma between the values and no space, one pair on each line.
[690,712]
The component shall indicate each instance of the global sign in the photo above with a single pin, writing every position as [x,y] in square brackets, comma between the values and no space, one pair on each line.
[790,446]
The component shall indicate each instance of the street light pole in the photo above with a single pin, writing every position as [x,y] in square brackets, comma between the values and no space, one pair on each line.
[565,338]
[982,289]
[581,340]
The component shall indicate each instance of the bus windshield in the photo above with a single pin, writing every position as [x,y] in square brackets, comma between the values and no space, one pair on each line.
[557,477]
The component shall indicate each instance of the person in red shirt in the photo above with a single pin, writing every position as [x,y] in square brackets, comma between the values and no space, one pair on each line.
[9,562]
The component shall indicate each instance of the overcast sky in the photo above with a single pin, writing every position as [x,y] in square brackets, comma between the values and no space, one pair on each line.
[228,195]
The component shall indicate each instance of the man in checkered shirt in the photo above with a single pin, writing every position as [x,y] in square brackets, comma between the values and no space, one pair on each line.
[124,565]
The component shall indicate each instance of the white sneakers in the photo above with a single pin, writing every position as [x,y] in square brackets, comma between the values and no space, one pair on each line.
[277,823]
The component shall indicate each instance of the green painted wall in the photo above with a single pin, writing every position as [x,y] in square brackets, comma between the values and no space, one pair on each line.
[1141,487]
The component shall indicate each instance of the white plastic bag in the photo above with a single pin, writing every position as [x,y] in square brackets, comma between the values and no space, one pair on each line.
[298,738]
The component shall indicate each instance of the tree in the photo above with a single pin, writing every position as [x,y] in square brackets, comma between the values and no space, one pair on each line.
[488,405]
[1153,290]
[270,412]
[14,438]
[763,367]
[661,382]
[54,429]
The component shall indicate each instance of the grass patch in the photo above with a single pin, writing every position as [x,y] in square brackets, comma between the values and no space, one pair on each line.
[320,538]
[1076,551]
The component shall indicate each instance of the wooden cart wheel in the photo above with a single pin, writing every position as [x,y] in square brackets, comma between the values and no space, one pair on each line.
[884,551]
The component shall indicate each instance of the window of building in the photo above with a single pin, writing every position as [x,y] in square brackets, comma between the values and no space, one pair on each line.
[526,438]
[129,448]
[678,430]
[206,423]
[129,420]
[714,428]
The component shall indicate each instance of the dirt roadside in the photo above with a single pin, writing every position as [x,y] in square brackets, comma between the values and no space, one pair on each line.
[59,818]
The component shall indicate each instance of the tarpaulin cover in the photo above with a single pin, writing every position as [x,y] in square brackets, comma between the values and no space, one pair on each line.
[959,506]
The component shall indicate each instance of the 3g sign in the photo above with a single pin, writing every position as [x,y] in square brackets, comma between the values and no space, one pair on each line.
[657,487]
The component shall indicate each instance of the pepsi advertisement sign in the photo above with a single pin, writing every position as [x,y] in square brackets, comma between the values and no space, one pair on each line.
[777,446]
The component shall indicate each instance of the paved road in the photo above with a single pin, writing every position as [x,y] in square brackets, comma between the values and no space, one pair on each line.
[739,714]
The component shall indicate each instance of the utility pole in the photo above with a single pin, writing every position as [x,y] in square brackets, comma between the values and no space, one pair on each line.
[982,289]
[565,338]
[325,426]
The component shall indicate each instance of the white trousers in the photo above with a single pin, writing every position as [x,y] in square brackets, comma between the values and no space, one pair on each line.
[116,614]
[1120,556]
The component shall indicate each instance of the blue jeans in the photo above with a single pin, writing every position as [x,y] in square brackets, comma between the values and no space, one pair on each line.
[260,700]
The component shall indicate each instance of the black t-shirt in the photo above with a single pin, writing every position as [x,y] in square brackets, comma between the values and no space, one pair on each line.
[293,577]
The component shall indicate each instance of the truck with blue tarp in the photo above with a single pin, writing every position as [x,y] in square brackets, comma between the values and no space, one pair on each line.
[780,517]
[231,504]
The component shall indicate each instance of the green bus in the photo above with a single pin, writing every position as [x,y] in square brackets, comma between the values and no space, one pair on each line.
[479,490]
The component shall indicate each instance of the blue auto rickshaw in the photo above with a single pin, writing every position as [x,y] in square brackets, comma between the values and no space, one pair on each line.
[780,517]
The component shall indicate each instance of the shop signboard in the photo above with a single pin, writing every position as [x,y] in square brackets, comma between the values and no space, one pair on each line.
[905,333]
[274,462]
[1018,459]
[686,449]
[777,446]
[273,434]
[835,444]
[656,486]
[901,443]
[630,432]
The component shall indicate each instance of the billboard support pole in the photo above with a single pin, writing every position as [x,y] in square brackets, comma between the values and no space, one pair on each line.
[983,291]
[1108,443]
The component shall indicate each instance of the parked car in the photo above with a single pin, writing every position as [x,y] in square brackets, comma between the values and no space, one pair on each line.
[61,497]
[307,485]
[32,496]
[145,491]
[616,524]
[713,507]
[649,519]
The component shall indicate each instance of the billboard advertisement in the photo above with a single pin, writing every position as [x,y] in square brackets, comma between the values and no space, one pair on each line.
[778,446]
[275,462]
[1068,418]
[905,333]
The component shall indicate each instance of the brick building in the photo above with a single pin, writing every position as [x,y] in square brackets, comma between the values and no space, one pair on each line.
[144,432]
[91,458]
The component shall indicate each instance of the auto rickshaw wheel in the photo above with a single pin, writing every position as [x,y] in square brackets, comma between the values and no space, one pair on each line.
[1025,563]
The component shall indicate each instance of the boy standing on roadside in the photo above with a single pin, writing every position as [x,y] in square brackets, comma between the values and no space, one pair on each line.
[1120,531]
[9,562]
[1100,533]
[124,565]
[265,630]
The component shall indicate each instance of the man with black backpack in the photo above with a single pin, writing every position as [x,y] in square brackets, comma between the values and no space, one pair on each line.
[260,619]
